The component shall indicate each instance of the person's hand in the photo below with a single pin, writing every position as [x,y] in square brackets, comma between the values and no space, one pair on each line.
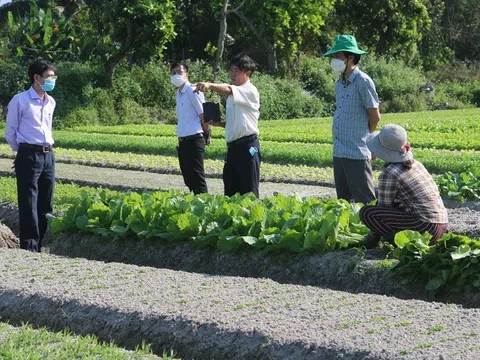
[202,86]
[205,126]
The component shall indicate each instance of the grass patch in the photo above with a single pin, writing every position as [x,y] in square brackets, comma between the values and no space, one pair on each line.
[423,346]
[435,329]
[349,324]
[25,342]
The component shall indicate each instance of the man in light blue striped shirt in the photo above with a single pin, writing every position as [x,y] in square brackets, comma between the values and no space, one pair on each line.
[356,116]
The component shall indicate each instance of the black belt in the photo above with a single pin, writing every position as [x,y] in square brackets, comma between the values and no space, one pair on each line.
[39,148]
[196,136]
[242,140]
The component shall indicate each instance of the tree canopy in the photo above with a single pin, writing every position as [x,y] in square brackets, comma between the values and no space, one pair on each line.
[421,32]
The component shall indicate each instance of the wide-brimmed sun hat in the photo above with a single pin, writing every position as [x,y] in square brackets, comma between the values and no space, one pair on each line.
[390,144]
[345,43]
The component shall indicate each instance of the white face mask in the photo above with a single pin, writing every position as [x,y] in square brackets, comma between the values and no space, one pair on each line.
[177,80]
[338,65]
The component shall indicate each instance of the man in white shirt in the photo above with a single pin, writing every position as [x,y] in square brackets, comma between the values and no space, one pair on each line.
[29,132]
[241,173]
[190,129]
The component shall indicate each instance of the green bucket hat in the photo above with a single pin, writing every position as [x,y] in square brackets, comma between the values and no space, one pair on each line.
[345,43]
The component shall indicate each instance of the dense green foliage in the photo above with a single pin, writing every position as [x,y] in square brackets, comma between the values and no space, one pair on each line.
[143,94]
[124,48]
[274,223]
[451,265]
[463,186]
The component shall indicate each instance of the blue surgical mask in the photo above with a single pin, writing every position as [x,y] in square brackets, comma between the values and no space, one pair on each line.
[48,85]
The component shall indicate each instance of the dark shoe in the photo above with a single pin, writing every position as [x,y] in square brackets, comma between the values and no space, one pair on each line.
[371,240]
[390,237]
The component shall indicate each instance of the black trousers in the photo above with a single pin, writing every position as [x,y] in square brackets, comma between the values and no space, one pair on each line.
[241,172]
[190,156]
[35,172]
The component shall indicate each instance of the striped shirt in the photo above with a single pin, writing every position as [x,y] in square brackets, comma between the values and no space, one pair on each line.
[412,190]
[350,120]
[29,119]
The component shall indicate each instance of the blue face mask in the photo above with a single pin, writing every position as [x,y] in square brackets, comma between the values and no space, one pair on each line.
[48,85]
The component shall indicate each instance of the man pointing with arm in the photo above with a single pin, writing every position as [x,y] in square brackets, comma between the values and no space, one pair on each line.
[241,172]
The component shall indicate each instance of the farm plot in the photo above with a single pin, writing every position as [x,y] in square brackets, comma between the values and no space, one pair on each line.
[229,317]
[292,151]
[249,232]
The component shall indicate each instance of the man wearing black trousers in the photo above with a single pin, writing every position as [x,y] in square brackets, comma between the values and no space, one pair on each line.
[241,173]
[190,129]
[29,132]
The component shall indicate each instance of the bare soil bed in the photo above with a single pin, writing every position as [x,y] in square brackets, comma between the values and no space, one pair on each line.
[220,317]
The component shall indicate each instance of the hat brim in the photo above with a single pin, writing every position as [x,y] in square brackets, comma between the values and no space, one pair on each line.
[374,145]
[353,51]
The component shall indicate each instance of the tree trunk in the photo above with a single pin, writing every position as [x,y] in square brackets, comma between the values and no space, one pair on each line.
[381,47]
[221,39]
[272,60]
[115,59]
[110,67]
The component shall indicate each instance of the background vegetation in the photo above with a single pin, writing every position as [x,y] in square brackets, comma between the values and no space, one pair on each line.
[112,56]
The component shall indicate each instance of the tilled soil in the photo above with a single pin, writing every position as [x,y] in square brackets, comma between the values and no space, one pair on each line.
[220,317]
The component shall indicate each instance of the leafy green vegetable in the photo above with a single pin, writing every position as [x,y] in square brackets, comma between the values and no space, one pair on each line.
[451,265]
[273,224]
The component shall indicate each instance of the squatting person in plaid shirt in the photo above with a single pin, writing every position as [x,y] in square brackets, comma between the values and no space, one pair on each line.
[408,198]
[355,117]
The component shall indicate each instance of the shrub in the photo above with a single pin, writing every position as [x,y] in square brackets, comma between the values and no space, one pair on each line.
[159,114]
[14,79]
[154,87]
[405,103]
[392,78]
[79,117]
[73,79]
[130,112]
[458,71]
[444,98]
[126,86]
[466,92]
[286,99]
[397,84]
[102,101]
[318,78]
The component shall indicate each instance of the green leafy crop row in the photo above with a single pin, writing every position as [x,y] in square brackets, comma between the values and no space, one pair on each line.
[274,223]
[432,126]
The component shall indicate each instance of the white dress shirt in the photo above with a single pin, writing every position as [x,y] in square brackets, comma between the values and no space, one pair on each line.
[189,107]
[242,112]
[29,119]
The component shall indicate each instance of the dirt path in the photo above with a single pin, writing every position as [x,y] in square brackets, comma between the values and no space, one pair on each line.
[147,180]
